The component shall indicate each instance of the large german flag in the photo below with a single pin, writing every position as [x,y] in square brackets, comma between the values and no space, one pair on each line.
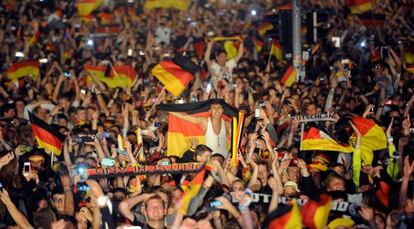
[284,217]
[360,6]
[119,76]
[315,139]
[22,69]
[289,77]
[180,132]
[315,212]
[177,4]
[46,137]
[86,7]
[175,74]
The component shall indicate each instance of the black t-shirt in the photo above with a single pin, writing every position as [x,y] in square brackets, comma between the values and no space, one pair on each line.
[143,225]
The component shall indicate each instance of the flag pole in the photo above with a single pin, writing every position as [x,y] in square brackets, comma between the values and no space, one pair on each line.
[155,104]
[270,51]
[301,135]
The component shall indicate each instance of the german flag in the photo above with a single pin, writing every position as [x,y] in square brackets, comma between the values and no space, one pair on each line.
[86,7]
[46,137]
[258,43]
[373,138]
[22,69]
[34,38]
[105,18]
[284,217]
[191,190]
[372,20]
[87,18]
[232,48]
[180,132]
[276,50]
[199,46]
[360,6]
[109,29]
[119,76]
[284,6]
[372,135]
[238,37]
[315,139]
[315,212]
[177,4]
[263,28]
[289,77]
[409,60]
[175,75]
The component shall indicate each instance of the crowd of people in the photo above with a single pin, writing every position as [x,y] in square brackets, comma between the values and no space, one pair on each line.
[42,189]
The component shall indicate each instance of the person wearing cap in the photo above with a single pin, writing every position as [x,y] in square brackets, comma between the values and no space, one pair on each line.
[290,189]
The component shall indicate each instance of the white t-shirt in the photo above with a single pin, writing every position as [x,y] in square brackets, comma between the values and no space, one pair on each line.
[216,70]
[162,34]
[216,142]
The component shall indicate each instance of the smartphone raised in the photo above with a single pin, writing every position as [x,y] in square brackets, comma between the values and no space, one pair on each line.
[26,167]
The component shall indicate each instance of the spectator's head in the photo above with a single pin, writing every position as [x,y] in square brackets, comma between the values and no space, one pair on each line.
[216,110]
[44,218]
[221,58]
[58,201]
[155,209]
[290,189]
[334,182]
[263,172]
[83,217]
[238,185]
[65,221]
[202,153]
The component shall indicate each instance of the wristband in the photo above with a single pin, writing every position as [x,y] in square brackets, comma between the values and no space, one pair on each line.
[390,139]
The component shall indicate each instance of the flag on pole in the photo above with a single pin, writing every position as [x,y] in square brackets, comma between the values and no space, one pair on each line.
[118,76]
[289,77]
[24,68]
[276,50]
[46,136]
[175,74]
[86,7]
[360,6]
[182,5]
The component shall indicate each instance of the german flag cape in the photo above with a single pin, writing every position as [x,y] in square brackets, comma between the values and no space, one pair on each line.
[46,137]
[180,132]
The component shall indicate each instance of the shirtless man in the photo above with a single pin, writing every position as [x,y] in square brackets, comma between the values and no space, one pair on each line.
[214,127]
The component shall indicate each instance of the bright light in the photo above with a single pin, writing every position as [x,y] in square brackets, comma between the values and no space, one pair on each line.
[253,12]
[43,60]
[19,54]
[90,42]
[363,44]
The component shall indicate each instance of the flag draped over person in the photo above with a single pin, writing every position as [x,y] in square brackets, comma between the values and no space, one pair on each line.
[180,131]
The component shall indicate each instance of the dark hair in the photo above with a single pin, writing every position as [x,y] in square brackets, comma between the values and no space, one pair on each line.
[44,218]
[200,149]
